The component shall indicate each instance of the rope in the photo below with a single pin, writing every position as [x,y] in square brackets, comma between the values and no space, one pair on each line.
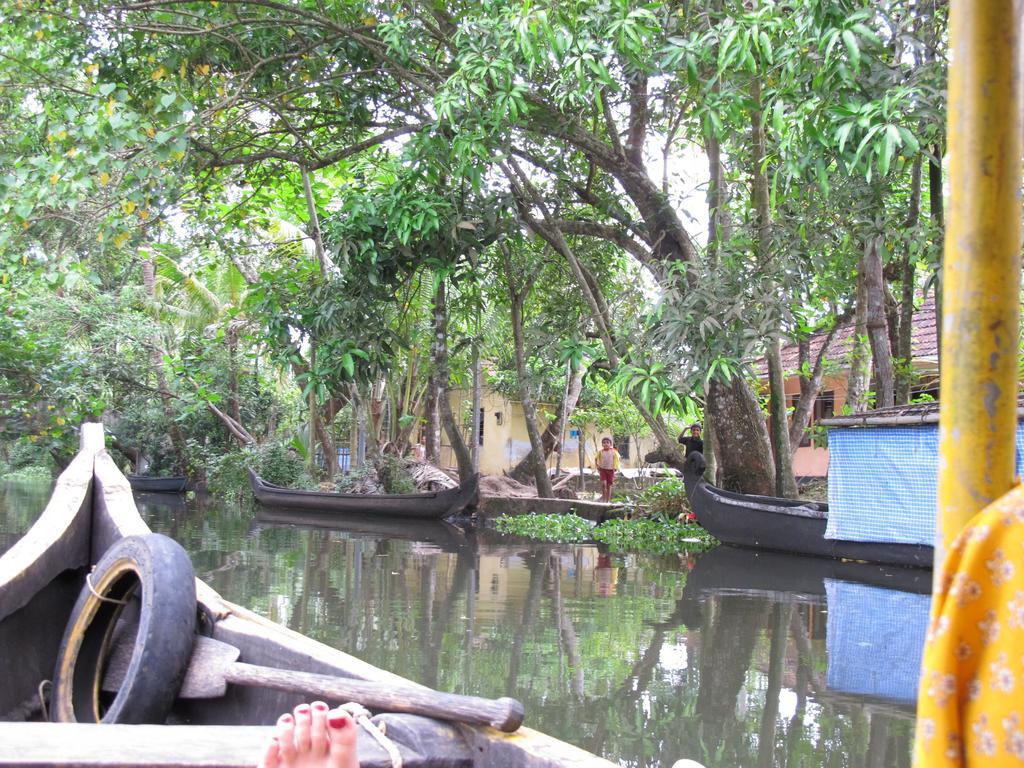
[362,716]
[97,595]
[42,698]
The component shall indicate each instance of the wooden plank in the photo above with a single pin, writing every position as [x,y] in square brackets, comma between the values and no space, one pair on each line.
[494,506]
[80,744]
[168,746]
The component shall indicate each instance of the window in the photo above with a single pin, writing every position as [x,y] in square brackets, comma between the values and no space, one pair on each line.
[467,427]
[621,443]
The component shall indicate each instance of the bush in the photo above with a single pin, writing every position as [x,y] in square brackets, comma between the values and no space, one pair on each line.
[30,474]
[27,453]
[665,501]
[276,463]
[394,474]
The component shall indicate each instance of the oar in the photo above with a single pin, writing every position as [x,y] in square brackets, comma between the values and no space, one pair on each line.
[214,664]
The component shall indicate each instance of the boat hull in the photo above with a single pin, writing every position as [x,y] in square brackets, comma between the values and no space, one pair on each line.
[418,506]
[784,525]
[41,575]
[147,484]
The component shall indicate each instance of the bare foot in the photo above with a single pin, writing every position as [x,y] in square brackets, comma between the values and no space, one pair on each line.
[313,737]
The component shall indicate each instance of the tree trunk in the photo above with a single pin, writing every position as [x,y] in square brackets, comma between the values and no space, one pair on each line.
[314,222]
[475,438]
[810,387]
[360,406]
[905,338]
[746,464]
[232,341]
[876,322]
[553,432]
[860,355]
[785,482]
[157,362]
[439,350]
[527,200]
[537,457]
[317,428]
[432,415]
[711,451]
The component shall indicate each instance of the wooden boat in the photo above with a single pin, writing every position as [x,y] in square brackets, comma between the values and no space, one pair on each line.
[43,575]
[783,525]
[152,484]
[421,506]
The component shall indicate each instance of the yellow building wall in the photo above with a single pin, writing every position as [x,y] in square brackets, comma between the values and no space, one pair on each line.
[506,442]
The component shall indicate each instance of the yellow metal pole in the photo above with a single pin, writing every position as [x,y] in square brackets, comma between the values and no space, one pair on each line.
[981,269]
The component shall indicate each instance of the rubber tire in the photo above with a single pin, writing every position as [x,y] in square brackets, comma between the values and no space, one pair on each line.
[155,570]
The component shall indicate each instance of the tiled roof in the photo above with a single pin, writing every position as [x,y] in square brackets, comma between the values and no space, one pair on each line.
[924,340]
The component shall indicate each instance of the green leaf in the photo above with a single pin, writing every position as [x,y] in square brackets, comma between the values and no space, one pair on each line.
[843,133]
[852,48]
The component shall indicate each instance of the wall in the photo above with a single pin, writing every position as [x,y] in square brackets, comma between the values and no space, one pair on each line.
[506,442]
[812,460]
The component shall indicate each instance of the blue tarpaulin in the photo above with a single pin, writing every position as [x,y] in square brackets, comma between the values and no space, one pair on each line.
[874,640]
[882,483]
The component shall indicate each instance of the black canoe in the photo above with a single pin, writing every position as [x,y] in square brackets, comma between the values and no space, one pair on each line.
[152,484]
[783,525]
[43,574]
[420,506]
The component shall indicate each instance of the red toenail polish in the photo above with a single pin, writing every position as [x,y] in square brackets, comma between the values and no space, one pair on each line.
[303,708]
[337,721]
[320,707]
[286,718]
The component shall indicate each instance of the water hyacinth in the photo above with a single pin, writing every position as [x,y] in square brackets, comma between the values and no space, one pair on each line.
[641,535]
[563,528]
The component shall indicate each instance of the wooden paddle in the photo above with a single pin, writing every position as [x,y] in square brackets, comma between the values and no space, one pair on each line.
[214,664]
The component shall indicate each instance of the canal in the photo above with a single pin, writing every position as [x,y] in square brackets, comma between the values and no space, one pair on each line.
[728,658]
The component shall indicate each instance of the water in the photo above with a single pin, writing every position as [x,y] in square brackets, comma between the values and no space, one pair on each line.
[728,658]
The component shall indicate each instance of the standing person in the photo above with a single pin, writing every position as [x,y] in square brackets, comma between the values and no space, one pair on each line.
[607,463]
[693,441]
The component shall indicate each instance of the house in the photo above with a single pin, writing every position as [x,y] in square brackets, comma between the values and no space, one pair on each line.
[811,457]
[503,439]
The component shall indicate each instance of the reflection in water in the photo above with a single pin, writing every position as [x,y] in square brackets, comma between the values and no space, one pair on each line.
[731,659]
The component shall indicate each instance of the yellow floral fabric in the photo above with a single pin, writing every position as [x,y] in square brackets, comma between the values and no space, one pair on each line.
[970,704]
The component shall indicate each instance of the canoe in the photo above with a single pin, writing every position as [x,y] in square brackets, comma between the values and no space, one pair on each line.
[152,484]
[422,506]
[783,525]
[42,576]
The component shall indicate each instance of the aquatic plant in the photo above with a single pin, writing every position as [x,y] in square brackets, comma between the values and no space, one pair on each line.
[664,501]
[640,535]
[654,536]
[565,528]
